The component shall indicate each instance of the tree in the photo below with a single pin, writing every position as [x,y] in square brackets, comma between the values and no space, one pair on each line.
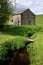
[5,11]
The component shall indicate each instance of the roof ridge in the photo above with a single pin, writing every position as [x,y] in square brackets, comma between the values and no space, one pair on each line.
[19,12]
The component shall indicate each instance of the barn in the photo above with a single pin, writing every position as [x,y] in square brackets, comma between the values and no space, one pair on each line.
[25,17]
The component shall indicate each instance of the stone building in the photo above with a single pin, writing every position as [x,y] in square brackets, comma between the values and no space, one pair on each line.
[26,17]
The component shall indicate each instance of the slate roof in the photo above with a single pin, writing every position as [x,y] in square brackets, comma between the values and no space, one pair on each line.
[20,12]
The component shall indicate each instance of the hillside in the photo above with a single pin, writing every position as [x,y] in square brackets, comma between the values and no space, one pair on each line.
[39,19]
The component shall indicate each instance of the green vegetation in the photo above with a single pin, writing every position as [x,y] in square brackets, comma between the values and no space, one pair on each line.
[12,44]
[5,11]
[14,37]
[39,20]
[36,50]
[20,30]
[4,38]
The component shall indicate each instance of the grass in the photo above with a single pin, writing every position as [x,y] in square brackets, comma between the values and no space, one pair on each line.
[4,38]
[11,43]
[39,20]
[20,30]
[36,50]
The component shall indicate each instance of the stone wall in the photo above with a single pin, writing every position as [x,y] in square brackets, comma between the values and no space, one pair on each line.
[15,20]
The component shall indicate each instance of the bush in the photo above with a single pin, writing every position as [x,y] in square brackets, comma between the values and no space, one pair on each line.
[21,30]
[30,33]
[3,52]
[12,45]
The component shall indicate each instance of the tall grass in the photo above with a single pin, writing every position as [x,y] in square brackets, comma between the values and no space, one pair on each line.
[36,50]
[12,45]
[20,30]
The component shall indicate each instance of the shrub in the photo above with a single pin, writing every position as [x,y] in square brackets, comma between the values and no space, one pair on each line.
[12,45]
[21,30]
[30,33]
[3,52]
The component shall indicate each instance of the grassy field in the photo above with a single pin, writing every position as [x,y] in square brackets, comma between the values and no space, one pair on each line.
[39,19]
[36,50]
[4,38]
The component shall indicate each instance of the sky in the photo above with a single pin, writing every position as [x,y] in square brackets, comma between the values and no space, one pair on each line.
[35,5]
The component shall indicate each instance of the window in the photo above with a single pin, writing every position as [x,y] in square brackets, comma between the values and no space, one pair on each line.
[12,20]
[18,22]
